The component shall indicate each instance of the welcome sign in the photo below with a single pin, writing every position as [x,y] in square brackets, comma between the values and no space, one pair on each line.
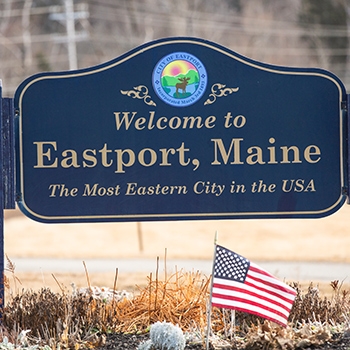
[180,128]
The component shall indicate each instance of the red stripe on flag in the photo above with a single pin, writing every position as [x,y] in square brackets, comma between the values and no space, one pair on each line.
[244,291]
[271,284]
[275,294]
[260,293]
[248,302]
[251,312]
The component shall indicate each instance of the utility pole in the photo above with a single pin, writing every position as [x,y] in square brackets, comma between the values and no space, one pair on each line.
[68,19]
[27,43]
[70,27]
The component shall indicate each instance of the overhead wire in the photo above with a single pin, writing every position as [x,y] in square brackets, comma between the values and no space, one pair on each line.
[228,21]
[204,23]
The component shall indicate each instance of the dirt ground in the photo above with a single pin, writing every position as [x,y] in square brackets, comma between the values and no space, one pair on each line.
[326,239]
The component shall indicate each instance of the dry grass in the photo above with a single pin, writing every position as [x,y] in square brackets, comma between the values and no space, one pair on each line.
[73,320]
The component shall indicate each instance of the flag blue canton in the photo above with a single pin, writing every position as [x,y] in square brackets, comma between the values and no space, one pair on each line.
[229,265]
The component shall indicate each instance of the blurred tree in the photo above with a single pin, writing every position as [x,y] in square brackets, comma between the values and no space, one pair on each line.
[325,24]
[42,62]
[236,5]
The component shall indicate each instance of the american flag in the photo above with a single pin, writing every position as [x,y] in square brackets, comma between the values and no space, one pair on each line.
[242,285]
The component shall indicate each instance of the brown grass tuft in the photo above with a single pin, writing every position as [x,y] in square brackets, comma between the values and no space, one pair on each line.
[70,320]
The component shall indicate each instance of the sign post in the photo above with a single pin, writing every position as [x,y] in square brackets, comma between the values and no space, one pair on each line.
[7,174]
[2,267]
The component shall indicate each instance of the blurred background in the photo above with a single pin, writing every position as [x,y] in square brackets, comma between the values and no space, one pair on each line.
[54,35]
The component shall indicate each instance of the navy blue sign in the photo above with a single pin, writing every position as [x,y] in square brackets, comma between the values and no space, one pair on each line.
[180,128]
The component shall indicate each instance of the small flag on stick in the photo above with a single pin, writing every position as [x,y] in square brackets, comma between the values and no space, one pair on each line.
[242,285]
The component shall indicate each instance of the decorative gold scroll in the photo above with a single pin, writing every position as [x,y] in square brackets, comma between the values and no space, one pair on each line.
[219,90]
[140,92]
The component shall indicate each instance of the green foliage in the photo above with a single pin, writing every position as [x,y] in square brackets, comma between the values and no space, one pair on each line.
[181,95]
[172,81]
[42,62]
[236,5]
[165,81]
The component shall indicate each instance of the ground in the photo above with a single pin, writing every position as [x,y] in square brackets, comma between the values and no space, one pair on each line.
[326,239]
[121,341]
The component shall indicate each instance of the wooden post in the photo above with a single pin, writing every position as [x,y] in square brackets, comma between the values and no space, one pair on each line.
[139,235]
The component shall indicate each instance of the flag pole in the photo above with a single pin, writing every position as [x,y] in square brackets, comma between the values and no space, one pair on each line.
[233,324]
[211,292]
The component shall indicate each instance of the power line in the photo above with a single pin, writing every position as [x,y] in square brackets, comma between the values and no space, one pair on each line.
[44,10]
[124,13]
[222,19]
[159,22]
[218,25]
[68,18]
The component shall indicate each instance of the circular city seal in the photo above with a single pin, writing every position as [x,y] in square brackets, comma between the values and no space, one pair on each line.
[179,79]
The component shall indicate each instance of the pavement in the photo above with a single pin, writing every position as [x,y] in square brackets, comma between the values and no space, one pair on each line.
[292,271]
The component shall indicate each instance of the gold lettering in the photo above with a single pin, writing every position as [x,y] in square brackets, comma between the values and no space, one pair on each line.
[308,153]
[219,146]
[255,157]
[89,158]
[104,156]
[285,152]
[40,154]
[165,153]
[120,159]
[70,159]
[141,157]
